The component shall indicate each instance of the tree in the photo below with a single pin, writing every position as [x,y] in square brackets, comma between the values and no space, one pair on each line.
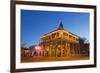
[23,45]
[85,40]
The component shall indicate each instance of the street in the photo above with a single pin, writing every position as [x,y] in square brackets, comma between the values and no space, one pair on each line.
[47,59]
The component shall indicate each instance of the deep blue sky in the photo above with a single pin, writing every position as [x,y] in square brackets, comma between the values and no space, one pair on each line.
[36,23]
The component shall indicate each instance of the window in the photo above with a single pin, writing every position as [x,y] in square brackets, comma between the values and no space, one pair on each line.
[57,34]
[53,35]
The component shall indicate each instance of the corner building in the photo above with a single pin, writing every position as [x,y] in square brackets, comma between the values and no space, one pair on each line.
[60,43]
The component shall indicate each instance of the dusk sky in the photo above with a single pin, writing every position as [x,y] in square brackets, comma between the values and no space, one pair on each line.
[34,24]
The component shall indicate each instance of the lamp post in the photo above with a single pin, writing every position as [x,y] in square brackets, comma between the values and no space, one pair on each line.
[38,49]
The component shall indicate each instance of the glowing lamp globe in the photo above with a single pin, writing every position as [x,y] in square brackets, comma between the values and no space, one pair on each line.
[37,47]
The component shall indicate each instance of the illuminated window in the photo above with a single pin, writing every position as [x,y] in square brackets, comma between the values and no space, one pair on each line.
[65,34]
[57,34]
[64,42]
[53,35]
[48,37]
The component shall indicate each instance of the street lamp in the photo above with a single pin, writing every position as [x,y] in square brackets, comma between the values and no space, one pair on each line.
[37,47]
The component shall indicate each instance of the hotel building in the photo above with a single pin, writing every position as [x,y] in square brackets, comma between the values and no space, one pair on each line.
[61,43]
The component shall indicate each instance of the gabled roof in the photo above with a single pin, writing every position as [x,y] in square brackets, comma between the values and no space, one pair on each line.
[60,27]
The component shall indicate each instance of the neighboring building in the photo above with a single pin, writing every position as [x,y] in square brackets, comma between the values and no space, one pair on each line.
[25,52]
